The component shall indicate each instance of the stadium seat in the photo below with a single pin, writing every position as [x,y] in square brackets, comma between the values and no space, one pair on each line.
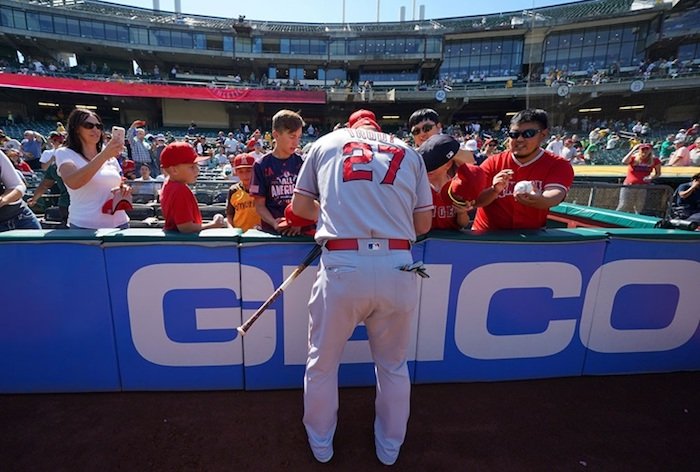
[143,224]
[51,224]
[141,212]
[220,196]
[204,197]
[142,198]
[208,211]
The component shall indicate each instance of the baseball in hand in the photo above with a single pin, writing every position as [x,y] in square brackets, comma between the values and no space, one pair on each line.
[524,186]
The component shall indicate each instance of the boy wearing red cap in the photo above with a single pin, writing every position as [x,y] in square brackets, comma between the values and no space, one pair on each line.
[240,205]
[178,203]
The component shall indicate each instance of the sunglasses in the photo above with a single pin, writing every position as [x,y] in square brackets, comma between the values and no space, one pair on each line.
[422,129]
[89,125]
[527,134]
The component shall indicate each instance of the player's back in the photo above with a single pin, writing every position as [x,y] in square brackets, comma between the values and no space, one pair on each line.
[367,185]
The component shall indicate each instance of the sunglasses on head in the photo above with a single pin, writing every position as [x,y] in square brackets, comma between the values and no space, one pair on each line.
[89,125]
[527,134]
[422,129]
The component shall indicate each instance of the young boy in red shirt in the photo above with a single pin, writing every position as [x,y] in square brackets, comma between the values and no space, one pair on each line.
[177,201]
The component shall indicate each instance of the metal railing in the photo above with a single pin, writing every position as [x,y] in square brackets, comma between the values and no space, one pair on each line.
[652,200]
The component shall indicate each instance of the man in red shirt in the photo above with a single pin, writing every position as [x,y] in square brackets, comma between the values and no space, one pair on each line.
[503,206]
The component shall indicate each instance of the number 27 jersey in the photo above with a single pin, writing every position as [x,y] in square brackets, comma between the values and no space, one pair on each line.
[368,185]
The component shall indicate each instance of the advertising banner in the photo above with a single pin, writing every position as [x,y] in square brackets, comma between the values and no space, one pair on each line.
[645,315]
[176,309]
[503,310]
[146,310]
[55,319]
[146,90]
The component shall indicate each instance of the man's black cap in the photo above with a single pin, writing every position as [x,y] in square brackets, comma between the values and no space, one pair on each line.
[438,150]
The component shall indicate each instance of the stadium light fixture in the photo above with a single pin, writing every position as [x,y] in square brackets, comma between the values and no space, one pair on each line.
[632,107]
[511,113]
[87,107]
[48,104]
[589,110]
[391,117]
[115,108]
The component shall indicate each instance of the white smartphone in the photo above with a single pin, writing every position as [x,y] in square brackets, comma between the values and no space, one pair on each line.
[118,133]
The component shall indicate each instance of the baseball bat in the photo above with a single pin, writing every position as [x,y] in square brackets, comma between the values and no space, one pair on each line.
[310,257]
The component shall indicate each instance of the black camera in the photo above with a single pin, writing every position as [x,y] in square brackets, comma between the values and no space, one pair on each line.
[677,223]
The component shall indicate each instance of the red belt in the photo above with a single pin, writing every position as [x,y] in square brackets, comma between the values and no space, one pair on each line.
[354,245]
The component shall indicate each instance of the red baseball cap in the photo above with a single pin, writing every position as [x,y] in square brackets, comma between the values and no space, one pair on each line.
[363,118]
[467,184]
[179,152]
[243,160]
[128,166]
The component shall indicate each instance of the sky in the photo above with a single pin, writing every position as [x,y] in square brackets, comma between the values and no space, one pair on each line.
[331,11]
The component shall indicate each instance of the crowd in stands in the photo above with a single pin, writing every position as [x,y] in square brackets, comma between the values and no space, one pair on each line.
[646,69]
[174,73]
[582,142]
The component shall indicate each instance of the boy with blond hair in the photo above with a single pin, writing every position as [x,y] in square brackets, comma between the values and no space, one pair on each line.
[275,174]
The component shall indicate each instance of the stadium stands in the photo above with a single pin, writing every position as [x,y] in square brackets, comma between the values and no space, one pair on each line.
[484,67]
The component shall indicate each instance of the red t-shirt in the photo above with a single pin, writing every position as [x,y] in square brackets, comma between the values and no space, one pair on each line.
[179,205]
[636,171]
[443,213]
[24,167]
[545,171]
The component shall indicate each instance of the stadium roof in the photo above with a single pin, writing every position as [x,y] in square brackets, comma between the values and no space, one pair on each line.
[558,14]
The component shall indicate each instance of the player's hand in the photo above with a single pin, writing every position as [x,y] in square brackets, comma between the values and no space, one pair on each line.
[500,180]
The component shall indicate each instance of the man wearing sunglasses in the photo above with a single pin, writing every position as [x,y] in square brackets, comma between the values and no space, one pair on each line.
[423,124]
[499,207]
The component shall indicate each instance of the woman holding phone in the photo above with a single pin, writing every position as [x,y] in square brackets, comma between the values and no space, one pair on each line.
[91,173]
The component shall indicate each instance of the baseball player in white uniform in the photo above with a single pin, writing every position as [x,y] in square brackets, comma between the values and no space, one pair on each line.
[371,196]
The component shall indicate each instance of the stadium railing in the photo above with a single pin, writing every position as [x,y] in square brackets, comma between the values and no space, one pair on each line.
[607,196]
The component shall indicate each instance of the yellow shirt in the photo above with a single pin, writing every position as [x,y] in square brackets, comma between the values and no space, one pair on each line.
[241,205]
